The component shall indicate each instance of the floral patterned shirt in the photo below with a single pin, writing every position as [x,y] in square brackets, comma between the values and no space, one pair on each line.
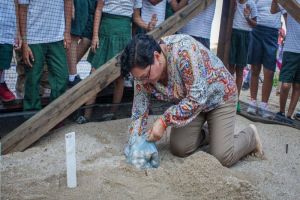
[197,82]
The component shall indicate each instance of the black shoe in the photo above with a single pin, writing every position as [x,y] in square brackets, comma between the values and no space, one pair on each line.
[297,116]
[245,86]
[280,116]
[76,80]
[81,120]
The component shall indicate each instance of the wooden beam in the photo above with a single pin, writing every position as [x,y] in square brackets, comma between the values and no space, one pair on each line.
[179,19]
[292,7]
[38,125]
[225,31]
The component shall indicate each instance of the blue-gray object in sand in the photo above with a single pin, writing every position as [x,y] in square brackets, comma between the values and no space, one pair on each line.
[141,153]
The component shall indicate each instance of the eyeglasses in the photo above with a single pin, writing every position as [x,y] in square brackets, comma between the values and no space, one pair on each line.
[146,78]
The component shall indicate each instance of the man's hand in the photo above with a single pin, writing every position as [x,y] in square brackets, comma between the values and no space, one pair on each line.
[27,55]
[67,40]
[95,44]
[157,131]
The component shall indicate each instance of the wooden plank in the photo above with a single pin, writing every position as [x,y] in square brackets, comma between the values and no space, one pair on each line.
[292,7]
[225,31]
[37,126]
[177,21]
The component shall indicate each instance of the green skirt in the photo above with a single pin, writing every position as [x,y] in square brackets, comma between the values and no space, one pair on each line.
[84,14]
[114,35]
[88,30]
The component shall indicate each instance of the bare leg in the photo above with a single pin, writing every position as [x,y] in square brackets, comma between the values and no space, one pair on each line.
[119,89]
[89,111]
[231,69]
[284,92]
[72,55]
[118,93]
[294,99]
[267,85]
[82,48]
[255,70]
[239,78]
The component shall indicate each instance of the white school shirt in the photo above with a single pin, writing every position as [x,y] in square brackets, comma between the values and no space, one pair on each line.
[7,22]
[148,10]
[264,16]
[45,21]
[121,7]
[292,39]
[200,26]
[239,21]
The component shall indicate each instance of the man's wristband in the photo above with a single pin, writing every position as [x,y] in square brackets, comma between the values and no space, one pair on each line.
[163,123]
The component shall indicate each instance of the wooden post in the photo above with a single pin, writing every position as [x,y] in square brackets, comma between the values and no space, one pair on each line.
[292,7]
[38,125]
[225,31]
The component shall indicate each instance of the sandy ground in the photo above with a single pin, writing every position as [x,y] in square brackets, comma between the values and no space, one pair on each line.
[40,172]
[102,173]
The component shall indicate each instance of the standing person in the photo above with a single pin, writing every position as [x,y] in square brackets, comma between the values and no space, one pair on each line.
[290,71]
[143,26]
[200,26]
[153,12]
[262,52]
[45,44]
[9,38]
[81,35]
[243,21]
[181,70]
[281,39]
[109,38]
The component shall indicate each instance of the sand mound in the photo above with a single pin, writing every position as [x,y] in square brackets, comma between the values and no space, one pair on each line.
[39,172]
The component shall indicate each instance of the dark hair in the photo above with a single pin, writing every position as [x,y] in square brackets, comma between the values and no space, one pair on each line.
[140,52]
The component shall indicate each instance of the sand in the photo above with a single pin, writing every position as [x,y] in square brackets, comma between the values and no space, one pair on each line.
[40,172]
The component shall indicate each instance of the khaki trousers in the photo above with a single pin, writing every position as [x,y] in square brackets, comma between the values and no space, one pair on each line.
[227,147]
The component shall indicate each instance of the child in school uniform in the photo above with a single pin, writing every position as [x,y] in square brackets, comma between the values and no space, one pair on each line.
[45,44]
[290,71]
[262,52]
[200,26]
[153,12]
[243,21]
[111,32]
[81,35]
[8,39]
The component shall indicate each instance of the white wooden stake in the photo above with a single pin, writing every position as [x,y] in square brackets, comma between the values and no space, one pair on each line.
[71,160]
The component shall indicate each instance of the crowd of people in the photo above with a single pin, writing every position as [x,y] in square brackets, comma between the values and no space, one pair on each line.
[49,39]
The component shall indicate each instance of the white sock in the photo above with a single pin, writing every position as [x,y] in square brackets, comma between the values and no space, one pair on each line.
[253,101]
[72,77]
[263,104]
[2,77]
